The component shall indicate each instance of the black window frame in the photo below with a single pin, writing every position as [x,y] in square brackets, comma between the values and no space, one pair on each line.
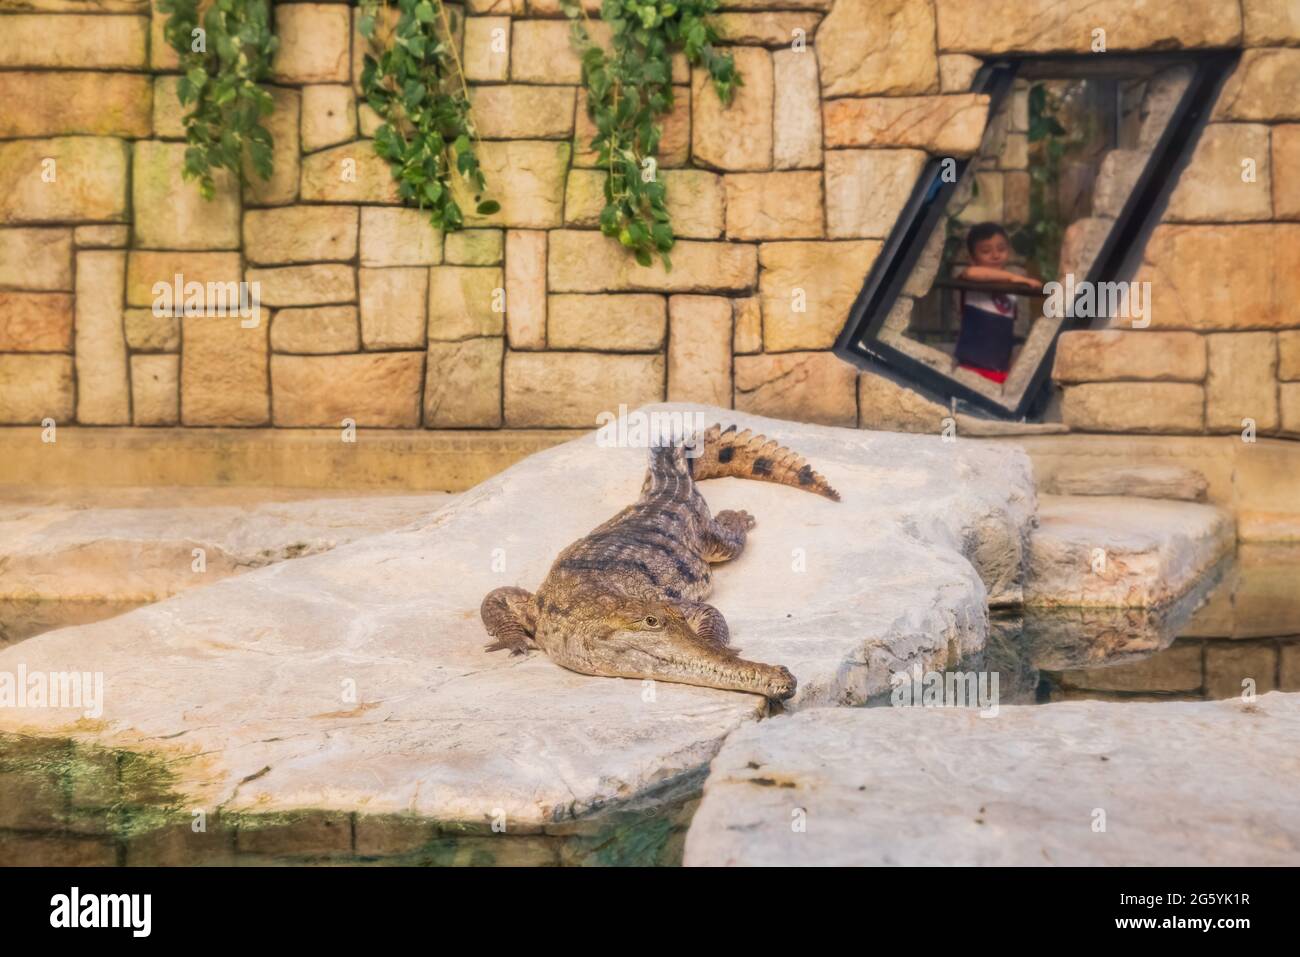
[860,343]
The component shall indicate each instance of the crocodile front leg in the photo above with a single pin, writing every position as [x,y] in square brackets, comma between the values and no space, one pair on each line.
[510,616]
[707,622]
[724,539]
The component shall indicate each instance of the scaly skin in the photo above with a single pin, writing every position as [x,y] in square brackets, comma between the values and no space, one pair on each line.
[627,600]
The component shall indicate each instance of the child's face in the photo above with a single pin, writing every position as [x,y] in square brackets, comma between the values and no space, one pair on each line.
[993,251]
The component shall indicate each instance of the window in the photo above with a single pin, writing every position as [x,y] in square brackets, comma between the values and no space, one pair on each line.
[1076,165]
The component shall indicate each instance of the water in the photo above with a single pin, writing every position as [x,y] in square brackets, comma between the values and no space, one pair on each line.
[1238,630]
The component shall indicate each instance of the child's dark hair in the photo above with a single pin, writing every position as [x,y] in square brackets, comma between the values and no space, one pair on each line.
[982,231]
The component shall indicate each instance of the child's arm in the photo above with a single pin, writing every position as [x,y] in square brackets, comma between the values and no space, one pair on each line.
[991,274]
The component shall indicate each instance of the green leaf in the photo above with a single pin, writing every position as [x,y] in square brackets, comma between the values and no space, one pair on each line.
[488,207]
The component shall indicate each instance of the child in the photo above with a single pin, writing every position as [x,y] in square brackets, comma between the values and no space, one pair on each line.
[985,342]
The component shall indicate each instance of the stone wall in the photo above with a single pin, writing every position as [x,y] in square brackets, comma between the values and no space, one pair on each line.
[786,195]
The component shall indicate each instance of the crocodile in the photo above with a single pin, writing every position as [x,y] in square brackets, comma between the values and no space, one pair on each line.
[627,599]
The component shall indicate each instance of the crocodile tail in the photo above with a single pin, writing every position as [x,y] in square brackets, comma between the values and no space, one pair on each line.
[725,452]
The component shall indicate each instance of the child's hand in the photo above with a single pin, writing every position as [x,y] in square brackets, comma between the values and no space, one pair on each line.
[1032,283]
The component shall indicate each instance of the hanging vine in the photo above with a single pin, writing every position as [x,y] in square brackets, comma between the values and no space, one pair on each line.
[414,80]
[225,54]
[628,90]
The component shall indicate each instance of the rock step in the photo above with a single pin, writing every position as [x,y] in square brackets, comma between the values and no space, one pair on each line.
[1121,551]
[56,550]
[1173,784]
[1140,481]
[356,680]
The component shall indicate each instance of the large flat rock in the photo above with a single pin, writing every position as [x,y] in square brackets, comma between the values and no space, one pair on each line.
[1117,551]
[355,680]
[140,545]
[1180,783]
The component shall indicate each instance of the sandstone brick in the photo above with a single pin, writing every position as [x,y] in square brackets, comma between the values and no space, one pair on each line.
[161,55]
[1211,188]
[884,404]
[379,390]
[552,8]
[867,189]
[475,247]
[813,387]
[329,115]
[1242,381]
[56,104]
[35,322]
[1111,354]
[393,307]
[399,236]
[1264,86]
[352,173]
[155,389]
[320,330]
[314,43]
[695,202]
[102,237]
[946,125]
[321,285]
[774,205]
[526,289]
[169,211]
[463,386]
[526,177]
[146,332]
[34,388]
[168,113]
[619,323]
[38,258]
[1289,407]
[739,136]
[766,28]
[1288,355]
[103,391]
[286,167]
[957,72]
[807,289]
[586,261]
[1271,22]
[541,51]
[1286,171]
[516,7]
[465,302]
[1229,664]
[73,41]
[1223,277]
[796,110]
[1148,407]
[571,389]
[145,269]
[1050,26]
[674,143]
[747,319]
[699,350]
[297,234]
[878,47]
[224,372]
[516,111]
[487,49]
[584,197]
[65,179]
